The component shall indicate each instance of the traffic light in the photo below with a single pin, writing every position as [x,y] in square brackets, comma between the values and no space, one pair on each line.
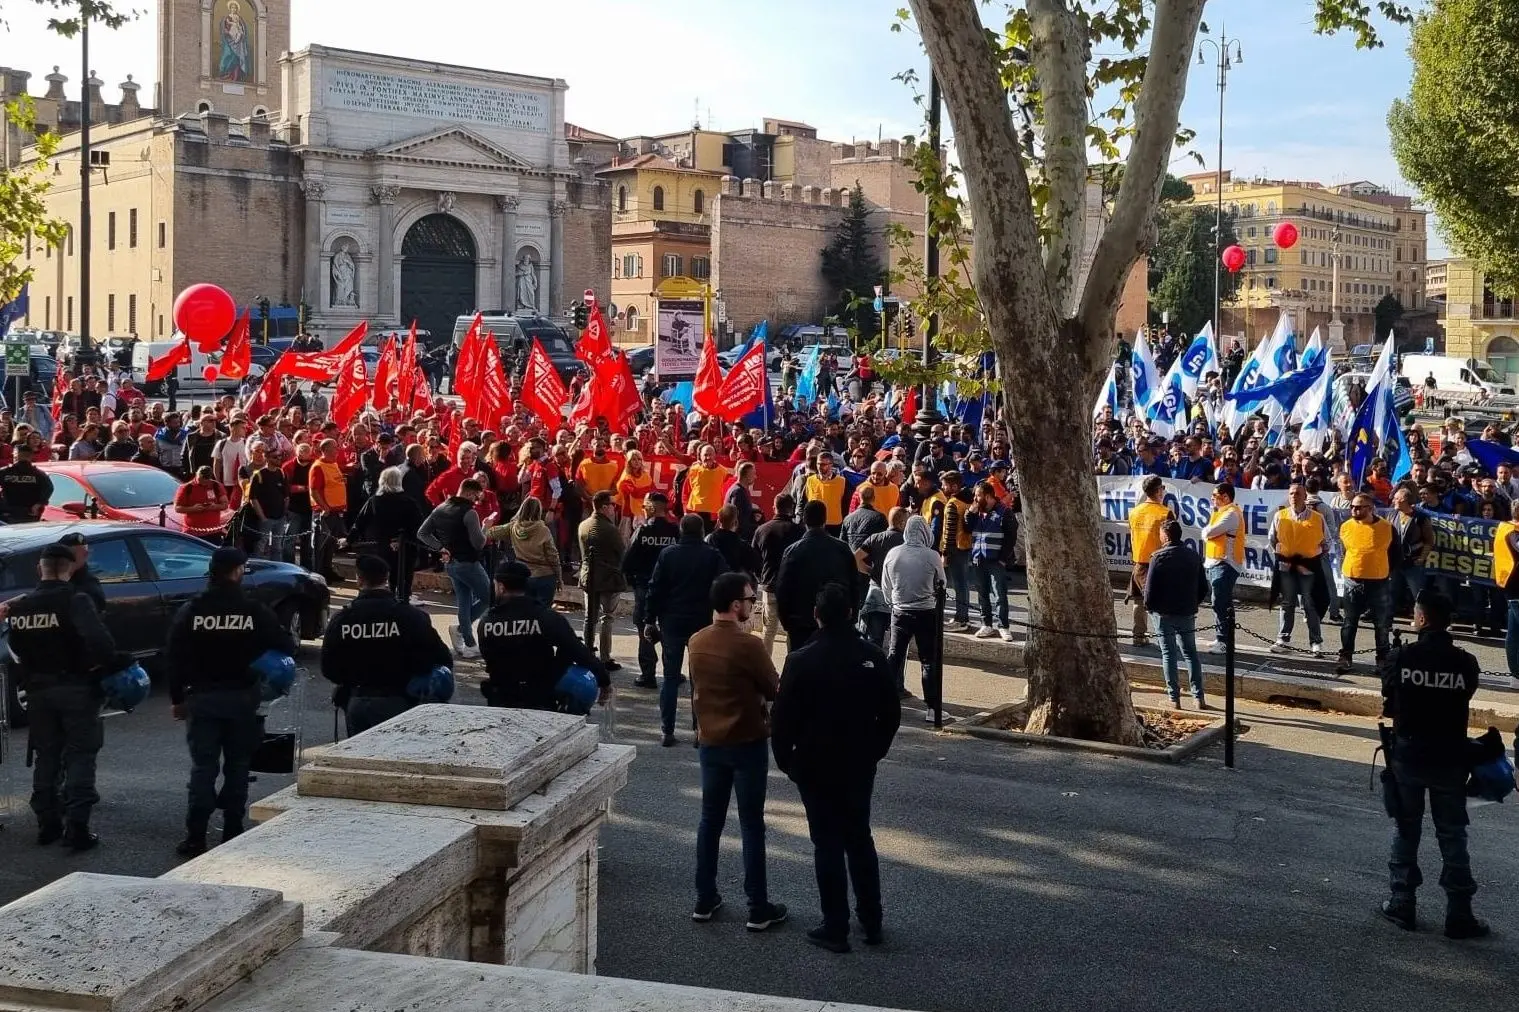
[582,315]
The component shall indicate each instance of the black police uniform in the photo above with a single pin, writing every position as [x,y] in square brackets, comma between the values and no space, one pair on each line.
[527,647]
[1426,688]
[372,648]
[62,650]
[213,642]
[23,486]
[649,539]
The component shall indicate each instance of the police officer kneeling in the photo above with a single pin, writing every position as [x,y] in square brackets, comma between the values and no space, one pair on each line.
[527,647]
[213,642]
[62,651]
[1426,688]
[375,646]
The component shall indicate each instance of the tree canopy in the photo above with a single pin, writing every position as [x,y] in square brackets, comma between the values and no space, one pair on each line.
[1454,136]
[1183,263]
[852,266]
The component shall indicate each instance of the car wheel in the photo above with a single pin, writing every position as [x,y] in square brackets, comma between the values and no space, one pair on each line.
[290,617]
[15,702]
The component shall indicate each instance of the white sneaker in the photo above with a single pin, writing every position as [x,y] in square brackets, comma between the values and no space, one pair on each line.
[417,600]
[928,716]
[986,632]
[1281,647]
[1007,635]
[1216,647]
[1317,648]
[469,653]
[456,639]
[1513,682]
[957,627]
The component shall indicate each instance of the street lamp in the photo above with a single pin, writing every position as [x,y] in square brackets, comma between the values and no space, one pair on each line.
[1222,47]
[928,411]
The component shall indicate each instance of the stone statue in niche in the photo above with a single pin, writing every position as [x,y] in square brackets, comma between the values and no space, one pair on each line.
[345,278]
[527,281]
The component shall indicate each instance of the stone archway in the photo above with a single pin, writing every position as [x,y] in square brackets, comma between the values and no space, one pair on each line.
[1503,356]
[438,270]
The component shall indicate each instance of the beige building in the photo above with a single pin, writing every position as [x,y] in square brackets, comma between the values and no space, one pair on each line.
[356,185]
[1477,322]
[1435,282]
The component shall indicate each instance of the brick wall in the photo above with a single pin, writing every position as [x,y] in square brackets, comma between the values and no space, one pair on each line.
[767,243]
[588,241]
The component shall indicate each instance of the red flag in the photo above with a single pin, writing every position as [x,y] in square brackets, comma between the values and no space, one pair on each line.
[910,406]
[267,397]
[353,340]
[385,374]
[467,366]
[160,368]
[543,391]
[707,392]
[493,397]
[406,376]
[352,390]
[238,357]
[617,397]
[595,345]
[743,389]
[584,410]
[60,387]
[421,391]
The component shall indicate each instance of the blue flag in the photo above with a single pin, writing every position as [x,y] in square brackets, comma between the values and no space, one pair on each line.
[807,378]
[1490,454]
[13,311]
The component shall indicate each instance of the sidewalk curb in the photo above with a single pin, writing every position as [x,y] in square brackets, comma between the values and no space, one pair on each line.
[1261,687]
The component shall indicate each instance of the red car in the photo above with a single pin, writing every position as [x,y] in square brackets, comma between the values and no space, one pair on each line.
[120,491]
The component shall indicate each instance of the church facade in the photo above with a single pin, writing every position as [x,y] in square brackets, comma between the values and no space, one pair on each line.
[362,186]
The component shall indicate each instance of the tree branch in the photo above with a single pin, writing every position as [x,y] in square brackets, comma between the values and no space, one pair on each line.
[1156,115]
[1059,50]
[1007,252]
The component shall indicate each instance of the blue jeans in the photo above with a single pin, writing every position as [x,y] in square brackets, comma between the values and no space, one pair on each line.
[1414,577]
[1511,638]
[672,647]
[1366,597]
[1221,580]
[991,581]
[728,770]
[957,569]
[1297,585]
[272,541]
[648,654]
[472,594]
[1178,636]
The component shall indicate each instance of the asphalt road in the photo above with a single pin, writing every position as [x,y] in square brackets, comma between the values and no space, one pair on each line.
[1015,878]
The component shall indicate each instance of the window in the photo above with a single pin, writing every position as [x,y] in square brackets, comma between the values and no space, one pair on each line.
[701,268]
[70,236]
[132,228]
[1302,284]
[110,230]
[630,266]
[669,267]
[632,318]
[1270,281]
[163,234]
[160,325]
[1250,257]
[177,558]
[70,324]
[67,490]
[622,198]
[110,313]
[1302,256]
[111,561]
[659,198]
[1271,254]
[260,112]
[616,267]
[132,313]
[47,313]
[1270,207]
[699,201]
[203,107]
[1250,232]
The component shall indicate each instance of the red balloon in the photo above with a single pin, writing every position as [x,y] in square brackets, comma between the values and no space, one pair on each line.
[1285,235]
[1233,258]
[209,372]
[204,313]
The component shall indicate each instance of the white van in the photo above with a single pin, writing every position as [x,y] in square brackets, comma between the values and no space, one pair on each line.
[1467,375]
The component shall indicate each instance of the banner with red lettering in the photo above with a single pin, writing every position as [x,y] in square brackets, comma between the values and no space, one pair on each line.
[744,387]
[543,392]
[595,345]
[407,375]
[493,399]
[770,478]
[352,388]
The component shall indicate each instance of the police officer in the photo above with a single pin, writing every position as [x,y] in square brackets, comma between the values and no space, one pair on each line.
[213,642]
[84,581]
[651,537]
[62,651]
[375,646]
[24,490]
[1426,688]
[528,646]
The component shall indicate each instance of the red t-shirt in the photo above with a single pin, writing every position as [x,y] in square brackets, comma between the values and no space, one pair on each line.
[196,494]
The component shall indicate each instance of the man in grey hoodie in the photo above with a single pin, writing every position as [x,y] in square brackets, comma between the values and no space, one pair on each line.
[909,577]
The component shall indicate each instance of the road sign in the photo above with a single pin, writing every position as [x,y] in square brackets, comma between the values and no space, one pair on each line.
[18,356]
[722,311]
[590,297]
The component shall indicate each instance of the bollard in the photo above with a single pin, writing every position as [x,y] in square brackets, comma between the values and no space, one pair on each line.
[1228,632]
[936,668]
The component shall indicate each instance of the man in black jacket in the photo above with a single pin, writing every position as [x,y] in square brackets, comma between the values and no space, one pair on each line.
[871,557]
[25,488]
[1174,588]
[678,604]
[1427,689]
[738,553]
[62,651]
[771,541]
[833,721]
[375,646]
[653,536]
[864,521]
[815,561]
[212,644]
[527,647]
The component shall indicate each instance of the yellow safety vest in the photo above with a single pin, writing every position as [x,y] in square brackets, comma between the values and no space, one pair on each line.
[1299,538]
[1365,546]
[1503,559]
[1218,546]
[1144,528]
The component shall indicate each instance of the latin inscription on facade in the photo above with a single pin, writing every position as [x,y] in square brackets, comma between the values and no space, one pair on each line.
[365,91]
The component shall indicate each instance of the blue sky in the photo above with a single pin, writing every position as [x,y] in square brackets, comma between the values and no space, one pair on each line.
[1299,106]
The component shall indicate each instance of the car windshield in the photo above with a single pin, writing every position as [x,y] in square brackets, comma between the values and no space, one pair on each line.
[550,336]
[1485,373]
[134,488]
